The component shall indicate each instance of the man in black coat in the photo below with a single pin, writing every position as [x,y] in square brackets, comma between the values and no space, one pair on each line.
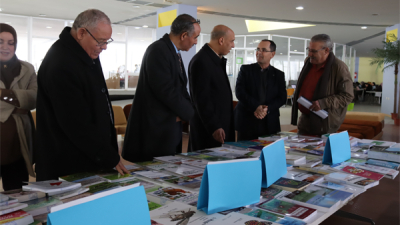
[161,101]
[211,93]
[75,121]
[261,91]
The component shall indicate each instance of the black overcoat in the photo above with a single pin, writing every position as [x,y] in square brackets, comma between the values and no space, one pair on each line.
[160,97]
[247,92]
[75,128]
[211,96]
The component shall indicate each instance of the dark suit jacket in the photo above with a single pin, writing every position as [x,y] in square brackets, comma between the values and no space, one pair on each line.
[212,99]
[161,96]
[75,132]
[247,88]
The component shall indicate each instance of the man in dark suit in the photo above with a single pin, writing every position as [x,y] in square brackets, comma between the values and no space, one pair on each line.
[161,101]
[261,91]
[75,121]
[211,93]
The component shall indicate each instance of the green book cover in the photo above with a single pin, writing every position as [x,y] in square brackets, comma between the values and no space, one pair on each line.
[40,203]
[153,205]
[101,187]
[116,176]
[77,176]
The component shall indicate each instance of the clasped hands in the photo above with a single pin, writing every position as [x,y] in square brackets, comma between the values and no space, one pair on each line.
[261,112]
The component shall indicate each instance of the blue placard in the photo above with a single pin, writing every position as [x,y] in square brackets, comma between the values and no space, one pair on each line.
[273,159]
[126,207]
[337,149]
[228,185]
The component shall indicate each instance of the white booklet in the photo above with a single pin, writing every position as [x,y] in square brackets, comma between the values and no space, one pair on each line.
[304,102]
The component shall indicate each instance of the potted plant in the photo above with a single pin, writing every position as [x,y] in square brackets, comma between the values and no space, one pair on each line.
[386,57]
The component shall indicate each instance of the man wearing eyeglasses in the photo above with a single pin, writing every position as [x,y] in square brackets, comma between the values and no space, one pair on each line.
[261,91]
[161,101]
[326,82]
[75,120]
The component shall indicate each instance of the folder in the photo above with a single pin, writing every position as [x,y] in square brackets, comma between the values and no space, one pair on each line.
[337,148]
[304,102]
[230,184]
[125,205]
[273,158]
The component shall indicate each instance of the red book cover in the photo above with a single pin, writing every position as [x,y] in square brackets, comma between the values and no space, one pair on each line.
[13,216]
[363,173]
[287,209]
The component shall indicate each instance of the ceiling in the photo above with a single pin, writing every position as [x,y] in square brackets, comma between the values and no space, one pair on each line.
[341,19]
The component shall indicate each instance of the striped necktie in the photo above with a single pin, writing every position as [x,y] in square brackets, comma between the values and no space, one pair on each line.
[180,61]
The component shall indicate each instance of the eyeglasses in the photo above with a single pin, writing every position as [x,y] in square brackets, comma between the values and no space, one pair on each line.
[100,44]
[313,50]
[262,50]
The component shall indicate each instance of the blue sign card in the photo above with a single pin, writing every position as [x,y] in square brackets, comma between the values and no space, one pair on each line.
[273,158]
[124,205]
[230,184]
[337,148]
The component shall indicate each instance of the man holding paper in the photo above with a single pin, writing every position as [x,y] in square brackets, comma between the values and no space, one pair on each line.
[324,81]
[261,91]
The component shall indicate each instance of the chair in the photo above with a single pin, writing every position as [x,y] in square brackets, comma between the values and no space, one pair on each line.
[127,110]
[290,93]
[379,96]
[119,119]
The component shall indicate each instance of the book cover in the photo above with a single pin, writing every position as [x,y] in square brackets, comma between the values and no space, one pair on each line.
[170,159]
[153,205]
[184,181]
[390,165]
[199,163]
[51,186]
[287,209]
[205,157]
[273,217]
[289,184]
[5,209]
[299,175]
[41,205]
[97,188]
[226,152]
[76,197]
[351,180]
[323,198]
[77,176]
[70,193]
[175,194]
[271,192]
[117,177]
[238,218]
[362,173]
[177,213]
[337,186]
[153,174]
[88,181]
[16,218]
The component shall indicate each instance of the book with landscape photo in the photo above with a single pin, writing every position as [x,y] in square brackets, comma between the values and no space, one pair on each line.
[273,217]
[345,178]
[288,209]
[175,194]
[289,184]
[300,175]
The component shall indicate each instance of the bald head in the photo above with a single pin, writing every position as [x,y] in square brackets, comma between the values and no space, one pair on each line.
[222,39]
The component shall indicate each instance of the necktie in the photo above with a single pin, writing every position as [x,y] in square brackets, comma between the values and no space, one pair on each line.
[180,61]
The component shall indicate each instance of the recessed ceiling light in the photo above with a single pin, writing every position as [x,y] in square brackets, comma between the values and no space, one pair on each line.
[141,40]
[300,8]
[145,26]
[257,25]
[364,28]
[281,53]
[137,28]
[42,14]
[295,50]
[48,27]
[1,9]
[136,6]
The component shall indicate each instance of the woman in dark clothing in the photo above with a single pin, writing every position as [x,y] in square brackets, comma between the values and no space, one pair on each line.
[18,89]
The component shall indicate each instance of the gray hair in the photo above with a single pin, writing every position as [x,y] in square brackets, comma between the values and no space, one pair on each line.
[90,18]
[325,39]
[183,23]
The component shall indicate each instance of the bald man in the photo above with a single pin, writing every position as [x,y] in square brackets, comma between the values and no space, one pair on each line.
[211,94]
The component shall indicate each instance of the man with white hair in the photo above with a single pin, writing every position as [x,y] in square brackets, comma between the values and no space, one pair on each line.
[326,82]
[75,121]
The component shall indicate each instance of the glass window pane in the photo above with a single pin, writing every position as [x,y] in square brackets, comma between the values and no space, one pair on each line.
[339,51]
[251,57]
[118,33]
[138,41]
[40,46]
[280,60]
[113,64]
[348,59]
[252,41]
[47,28]
[296,45]
[239,61]
[296,64]
[239,42]
[20,24]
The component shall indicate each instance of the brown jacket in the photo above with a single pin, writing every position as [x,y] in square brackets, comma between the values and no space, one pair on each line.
[334,92]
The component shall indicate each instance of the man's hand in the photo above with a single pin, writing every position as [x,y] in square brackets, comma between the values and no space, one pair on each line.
[178,119]
[121,168]
[219,135]
[315,106]
[261,112]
